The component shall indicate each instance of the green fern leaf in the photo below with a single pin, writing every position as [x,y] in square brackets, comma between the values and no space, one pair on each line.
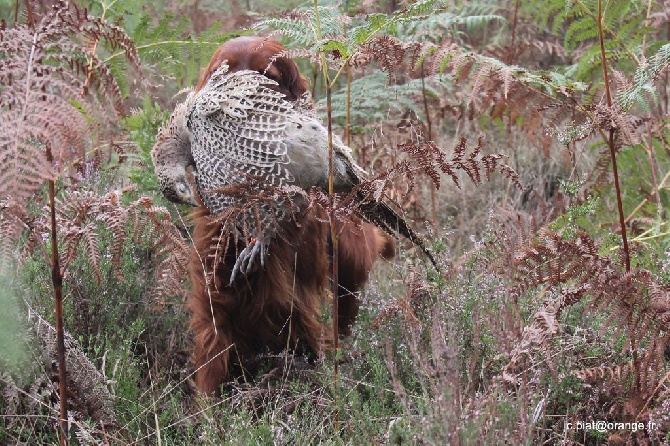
[644,76]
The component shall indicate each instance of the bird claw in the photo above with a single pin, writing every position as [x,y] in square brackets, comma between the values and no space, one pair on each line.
[246,258]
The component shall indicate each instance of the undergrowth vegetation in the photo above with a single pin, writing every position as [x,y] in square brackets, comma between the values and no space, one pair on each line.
[542,132]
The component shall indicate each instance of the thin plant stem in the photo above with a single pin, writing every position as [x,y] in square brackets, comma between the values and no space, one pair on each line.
[652,164]
[615,173]
[56,276]
[334,233]
[347,126]
[29,13]
[601,29]
[511,55]
[610,143]
[426,110]
[57,281]
[395,18]
[646,200]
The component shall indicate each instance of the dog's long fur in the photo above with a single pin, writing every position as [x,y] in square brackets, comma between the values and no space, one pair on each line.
[280,305]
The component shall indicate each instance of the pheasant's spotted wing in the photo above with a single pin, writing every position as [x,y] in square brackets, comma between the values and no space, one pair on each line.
[238,137]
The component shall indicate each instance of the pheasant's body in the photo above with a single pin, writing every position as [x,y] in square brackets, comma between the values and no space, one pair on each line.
[244,133]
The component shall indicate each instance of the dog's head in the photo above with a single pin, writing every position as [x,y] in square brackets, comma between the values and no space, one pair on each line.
[259,54]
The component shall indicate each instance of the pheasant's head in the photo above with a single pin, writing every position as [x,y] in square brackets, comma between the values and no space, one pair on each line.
[176,187]
[172,158]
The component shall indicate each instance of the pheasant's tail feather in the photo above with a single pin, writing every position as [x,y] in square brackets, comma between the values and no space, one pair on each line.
[383,216]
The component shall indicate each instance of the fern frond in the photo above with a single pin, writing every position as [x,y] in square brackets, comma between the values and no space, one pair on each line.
[86,219]
[14,221]
[432,161]
[300,25]
[623,25]
[55,95]
[372,95]
[152,225]
[643,79]
[447,23]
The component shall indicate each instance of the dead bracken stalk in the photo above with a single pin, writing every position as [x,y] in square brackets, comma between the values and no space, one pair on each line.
[57,282]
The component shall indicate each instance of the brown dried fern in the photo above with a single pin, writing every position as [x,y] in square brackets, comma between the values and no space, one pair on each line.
[51,97]
[574,272]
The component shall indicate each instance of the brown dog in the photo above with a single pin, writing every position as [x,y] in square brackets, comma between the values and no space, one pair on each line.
[279,305]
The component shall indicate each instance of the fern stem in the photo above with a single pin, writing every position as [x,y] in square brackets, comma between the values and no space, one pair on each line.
[347,124]
[374,32]
[512,53]
[640,238]
[652,165]
[610,142]
[29,71]
[339,72]
[615,173]
[56,277]
[334,234]
[57,281]
[602,28]
[29,13]
[646,200]
[426,110]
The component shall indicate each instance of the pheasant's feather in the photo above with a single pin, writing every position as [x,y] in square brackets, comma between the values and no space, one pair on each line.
[173,139]
[237,125]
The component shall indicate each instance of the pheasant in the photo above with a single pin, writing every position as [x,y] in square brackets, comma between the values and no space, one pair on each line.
[171,154]
[242,132]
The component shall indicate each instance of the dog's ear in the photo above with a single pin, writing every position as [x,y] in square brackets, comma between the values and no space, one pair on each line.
[286,73]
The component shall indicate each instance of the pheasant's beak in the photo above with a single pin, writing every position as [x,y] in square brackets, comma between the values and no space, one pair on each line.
[191,179]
